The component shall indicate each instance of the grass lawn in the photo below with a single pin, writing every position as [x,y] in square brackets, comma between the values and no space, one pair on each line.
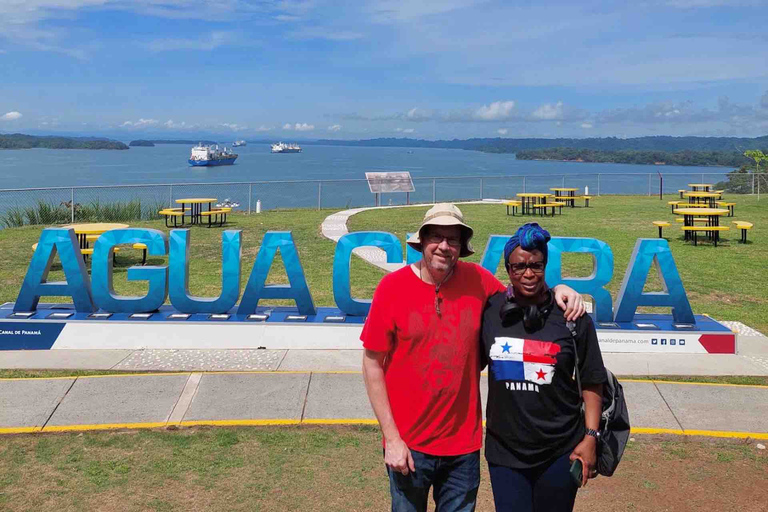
[728,282]
[340,468]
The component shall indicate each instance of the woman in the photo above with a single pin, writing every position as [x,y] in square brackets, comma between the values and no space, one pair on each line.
[535,424]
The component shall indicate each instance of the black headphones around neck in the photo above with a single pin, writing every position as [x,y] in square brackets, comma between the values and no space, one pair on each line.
[533,316]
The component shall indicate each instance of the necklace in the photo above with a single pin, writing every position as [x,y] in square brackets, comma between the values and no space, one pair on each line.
[437,286]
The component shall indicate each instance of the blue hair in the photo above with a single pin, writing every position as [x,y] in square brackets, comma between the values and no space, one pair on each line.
[531,237]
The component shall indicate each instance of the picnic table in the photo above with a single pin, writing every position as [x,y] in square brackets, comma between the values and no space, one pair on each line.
[702,197]
[195,207]
[565,195]
[712,216]
[93,228]
[529,199]
[700,187]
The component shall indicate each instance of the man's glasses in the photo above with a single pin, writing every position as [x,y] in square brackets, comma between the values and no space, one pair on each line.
[434,238]
[537,267]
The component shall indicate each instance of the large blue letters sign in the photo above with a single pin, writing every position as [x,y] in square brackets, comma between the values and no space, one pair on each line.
[77,285]
[602,271]
[257,289]
[87,296]
[104,294]
[181,299]
[342,291]
[631,294]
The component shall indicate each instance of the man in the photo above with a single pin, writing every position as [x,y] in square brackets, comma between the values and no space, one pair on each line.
[422,365]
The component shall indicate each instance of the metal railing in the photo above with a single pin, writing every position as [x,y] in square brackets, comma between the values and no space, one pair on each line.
[61,205]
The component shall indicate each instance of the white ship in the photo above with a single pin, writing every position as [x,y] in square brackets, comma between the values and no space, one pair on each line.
[211,155]
[282,147]
[238,143]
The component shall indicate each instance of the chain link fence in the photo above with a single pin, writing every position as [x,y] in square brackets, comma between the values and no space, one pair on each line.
[47,206]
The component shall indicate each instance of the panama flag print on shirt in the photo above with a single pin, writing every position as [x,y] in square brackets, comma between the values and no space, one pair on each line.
[523,360]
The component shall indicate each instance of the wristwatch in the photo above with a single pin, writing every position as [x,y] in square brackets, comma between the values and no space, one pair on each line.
[594,433]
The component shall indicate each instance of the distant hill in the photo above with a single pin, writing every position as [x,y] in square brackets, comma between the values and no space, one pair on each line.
[499,145]
[141,143]
[21,141]
[687,157]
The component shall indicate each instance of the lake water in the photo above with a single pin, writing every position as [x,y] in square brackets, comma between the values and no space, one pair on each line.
[458,171]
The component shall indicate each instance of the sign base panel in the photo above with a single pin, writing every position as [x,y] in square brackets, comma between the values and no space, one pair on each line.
[59,326]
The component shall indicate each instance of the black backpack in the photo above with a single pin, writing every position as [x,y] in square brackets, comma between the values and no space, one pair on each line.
[614,420]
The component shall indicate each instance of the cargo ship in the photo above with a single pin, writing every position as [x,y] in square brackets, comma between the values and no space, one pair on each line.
[281,147]
[238,143]
[211,155]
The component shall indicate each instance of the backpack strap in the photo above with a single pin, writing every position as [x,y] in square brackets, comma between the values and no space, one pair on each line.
[572,327]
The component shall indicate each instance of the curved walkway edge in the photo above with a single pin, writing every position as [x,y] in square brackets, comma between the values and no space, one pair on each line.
[335,226]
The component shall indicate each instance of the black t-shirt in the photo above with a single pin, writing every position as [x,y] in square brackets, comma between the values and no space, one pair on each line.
[534,409]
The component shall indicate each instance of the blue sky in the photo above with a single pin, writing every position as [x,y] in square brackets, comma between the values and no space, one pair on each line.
[431,69]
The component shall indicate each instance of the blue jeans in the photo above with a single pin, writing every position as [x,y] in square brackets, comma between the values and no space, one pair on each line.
[547,487]
[455,479]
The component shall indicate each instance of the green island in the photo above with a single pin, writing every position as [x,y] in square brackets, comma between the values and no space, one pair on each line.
[687,157]
[21,141]
[142,143]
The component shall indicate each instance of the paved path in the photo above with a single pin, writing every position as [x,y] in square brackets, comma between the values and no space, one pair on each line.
[276,398]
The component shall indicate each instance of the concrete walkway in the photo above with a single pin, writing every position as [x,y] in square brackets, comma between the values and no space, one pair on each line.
[299,397]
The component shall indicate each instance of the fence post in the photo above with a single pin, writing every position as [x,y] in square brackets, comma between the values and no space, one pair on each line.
[170,196]
[563,181]
[753,183]
[482,185]
[433,191]
[649,184]
[523,184]
[250,194]
[319,193]
[72,204]
[598,184]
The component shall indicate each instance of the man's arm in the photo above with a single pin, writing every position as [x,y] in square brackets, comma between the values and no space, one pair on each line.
[396,453]
[569,301]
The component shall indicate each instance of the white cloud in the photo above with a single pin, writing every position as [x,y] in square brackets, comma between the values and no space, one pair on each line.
[502,131]
[334,128]
[408,10]
[405,130]
[418,114]
[141,123]
[299,127]
[264,128]
[496,111]
[11,116]
[586,125]
[172,125]
[210,42]
[234,127]
[549,112]
[330,34]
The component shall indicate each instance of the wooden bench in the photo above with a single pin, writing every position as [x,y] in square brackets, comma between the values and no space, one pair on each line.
[744,227]
[172,213]
[674,204]
[219,215]
[681,192]
[514,205]
[542,208]
[661,224]
[715,230]
[731,207]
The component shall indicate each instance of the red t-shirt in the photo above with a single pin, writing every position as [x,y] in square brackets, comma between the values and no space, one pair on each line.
[432,368]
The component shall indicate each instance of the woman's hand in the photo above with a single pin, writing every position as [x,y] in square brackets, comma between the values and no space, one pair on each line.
[586,451]
[569,301]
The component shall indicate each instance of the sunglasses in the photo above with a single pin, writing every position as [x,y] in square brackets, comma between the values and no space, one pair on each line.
[518,269]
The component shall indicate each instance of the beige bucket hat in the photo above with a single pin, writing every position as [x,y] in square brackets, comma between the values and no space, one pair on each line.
[444,214]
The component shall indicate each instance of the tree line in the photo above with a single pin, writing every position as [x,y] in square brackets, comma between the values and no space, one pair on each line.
[20,141]
[686,157]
